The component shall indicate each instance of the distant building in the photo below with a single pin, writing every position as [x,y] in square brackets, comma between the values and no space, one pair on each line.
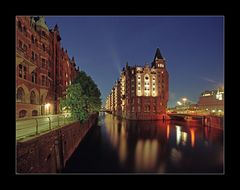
[141,93]
[212,101]
[43,68]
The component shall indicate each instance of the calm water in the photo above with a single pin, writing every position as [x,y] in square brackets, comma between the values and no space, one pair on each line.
[120,146]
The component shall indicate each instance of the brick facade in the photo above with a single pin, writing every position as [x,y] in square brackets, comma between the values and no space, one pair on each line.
[141,93]
[43,68]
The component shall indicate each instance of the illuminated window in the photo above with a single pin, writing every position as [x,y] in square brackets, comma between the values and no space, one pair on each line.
[146,85]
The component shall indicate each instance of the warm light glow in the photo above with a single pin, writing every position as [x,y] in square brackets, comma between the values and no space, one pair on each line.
[206,94]
[184,138]
[179,103]
[178,134]
[47,105]
[184,99]
[192,137]
[168,132]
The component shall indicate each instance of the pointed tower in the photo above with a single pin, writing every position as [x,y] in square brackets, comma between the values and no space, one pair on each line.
[41,23]
[158,61]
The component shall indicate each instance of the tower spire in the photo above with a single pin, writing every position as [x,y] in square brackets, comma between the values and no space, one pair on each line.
[158,60]
[158,54]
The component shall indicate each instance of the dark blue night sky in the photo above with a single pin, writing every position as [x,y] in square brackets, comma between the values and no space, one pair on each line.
[192,46]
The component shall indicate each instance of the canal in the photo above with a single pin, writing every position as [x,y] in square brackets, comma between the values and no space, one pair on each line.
[122,146]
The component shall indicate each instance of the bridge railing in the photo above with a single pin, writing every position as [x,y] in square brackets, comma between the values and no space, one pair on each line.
[37,125]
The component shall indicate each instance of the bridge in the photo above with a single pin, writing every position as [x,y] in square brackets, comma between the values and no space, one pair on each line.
[186,116]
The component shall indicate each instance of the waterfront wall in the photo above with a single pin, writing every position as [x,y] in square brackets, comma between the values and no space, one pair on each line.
[49,152]
[214,121]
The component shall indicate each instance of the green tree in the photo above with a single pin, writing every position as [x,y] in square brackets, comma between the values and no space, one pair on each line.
[83,97]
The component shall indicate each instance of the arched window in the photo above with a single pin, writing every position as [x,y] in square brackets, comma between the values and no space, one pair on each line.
[19,26]
[20,94]
[34,113]
[22,113]
[33,98]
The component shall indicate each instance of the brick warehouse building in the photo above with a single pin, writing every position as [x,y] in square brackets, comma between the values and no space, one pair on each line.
[43,68]
[141,93]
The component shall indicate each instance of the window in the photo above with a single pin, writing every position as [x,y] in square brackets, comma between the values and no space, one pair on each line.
[43,34]
[44,49]
[139,108]
[22,113]
[43,81]
[147,108]
[146,87]
[19,26]
[34,77]
[133,109]
[20,44]
[24,72]
[33,98]
[33,40]
[20,95]
[33,56]
[25,47]
[25,31]
[43,63]
[34,113]
[20,70]
[154,108]
[161,65]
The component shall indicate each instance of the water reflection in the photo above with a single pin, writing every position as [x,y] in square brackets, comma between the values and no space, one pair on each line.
[148,146]
[118,145]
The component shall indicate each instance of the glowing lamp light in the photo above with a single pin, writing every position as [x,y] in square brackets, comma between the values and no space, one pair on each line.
[179,103]
[47,105]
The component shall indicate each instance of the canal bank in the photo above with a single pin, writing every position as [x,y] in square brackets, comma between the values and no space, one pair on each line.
[49,152]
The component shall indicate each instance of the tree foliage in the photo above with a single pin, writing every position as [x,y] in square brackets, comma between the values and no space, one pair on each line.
[83,97]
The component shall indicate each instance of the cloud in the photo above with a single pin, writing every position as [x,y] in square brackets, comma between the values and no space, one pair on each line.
[209,80]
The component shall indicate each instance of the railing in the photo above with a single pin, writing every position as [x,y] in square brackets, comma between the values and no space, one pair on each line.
[37,125]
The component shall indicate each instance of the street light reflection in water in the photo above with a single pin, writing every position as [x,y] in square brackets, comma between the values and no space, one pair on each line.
[154,146]
[122,146]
